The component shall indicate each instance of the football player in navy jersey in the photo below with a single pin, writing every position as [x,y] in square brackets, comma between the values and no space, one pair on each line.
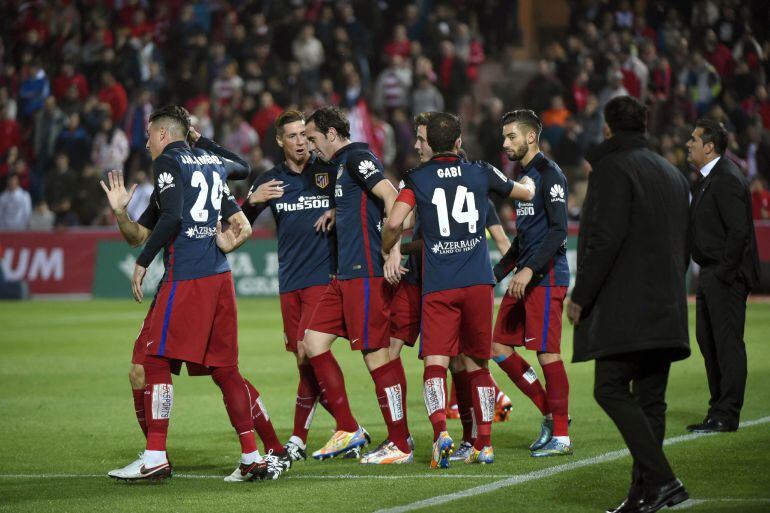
[194,317]
[300,194]
[458,302]
[531,312]
[356,305]
[406,309]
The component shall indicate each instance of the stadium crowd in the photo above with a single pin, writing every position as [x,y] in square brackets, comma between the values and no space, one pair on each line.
[78,80]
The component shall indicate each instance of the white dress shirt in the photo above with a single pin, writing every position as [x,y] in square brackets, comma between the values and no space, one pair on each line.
[705,170]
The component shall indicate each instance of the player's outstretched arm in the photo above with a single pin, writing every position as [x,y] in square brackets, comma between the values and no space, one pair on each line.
[119,198]
[237,168]
[391,237]
[523,190]
[387,193]
[237,232]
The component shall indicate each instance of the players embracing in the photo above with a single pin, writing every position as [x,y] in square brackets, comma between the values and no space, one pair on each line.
[451,196]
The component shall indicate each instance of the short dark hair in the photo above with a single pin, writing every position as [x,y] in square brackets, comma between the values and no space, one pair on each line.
[331,117]
[286,117]
[625,114]
[175,114]
[443,129]
[422,119]
[524,117]
[713,132]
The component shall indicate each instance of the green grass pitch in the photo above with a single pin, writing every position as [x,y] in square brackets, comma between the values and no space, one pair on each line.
[66,418]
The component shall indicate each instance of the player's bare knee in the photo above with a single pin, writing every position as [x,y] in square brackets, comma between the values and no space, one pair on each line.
[315,343]
[302,357]
[456,364]
[500,352]
[546,358]
[376,358]
[395,348]
[473,364]
[136,376]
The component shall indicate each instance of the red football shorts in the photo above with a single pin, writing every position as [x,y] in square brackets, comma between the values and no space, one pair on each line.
[195,321]
[458,321]
[356,309]
[405,312]
[297,308]
[534,322]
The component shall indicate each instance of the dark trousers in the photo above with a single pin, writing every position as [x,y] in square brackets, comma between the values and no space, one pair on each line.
[631,389]
[719,323]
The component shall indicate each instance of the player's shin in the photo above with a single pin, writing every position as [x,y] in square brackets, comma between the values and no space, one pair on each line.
[332,384]
[390,396]
[236,398]
[308,395]
[434,394]
[158,400]
[464,403]
[557,389]
[261,420]
[525,378]
[483,397]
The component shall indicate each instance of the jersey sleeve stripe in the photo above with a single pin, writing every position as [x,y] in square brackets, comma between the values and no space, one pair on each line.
[406,196]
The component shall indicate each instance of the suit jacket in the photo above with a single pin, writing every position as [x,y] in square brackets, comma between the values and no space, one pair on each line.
[721,225]
[632,254]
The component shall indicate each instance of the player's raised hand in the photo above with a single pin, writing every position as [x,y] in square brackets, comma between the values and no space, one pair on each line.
[518,285]
[193,135]
[117,195]
[136,282]
[266,191]
[392,268]
[325,223]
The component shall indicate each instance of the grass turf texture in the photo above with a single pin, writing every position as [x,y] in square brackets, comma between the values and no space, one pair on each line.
[66,411]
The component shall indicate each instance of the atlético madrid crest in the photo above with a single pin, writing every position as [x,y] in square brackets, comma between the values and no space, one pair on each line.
[322,180]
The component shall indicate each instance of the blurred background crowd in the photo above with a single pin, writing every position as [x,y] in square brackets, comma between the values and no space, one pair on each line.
[78,80]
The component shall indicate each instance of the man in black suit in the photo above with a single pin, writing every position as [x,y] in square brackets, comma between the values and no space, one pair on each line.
[629,303]
[722,242]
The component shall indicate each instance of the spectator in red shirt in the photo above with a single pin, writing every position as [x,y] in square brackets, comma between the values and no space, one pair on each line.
[718,54]
[9,131]
[114,95]
[760,199]
[266,114]
[400,44]
[67,78]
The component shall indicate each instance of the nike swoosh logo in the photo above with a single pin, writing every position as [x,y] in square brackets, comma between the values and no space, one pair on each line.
[529,339]
[149,343]
[354,340]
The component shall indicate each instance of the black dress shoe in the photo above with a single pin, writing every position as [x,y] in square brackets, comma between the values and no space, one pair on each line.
[699,425]
[669,494]
[631,503]
[714,426]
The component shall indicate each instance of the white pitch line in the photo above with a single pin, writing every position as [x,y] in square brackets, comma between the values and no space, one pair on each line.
[432,475]
[548,472]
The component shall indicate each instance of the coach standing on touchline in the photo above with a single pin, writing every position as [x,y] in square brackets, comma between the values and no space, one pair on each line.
[722,242]
[629,304]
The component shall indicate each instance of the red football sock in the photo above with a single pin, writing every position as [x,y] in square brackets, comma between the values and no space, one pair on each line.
[158,400]
[308,394]
[434,394]
[525,378]
[399,366]
[464,403]
[332,384]
[390,396]
[236,396]
[483,397]
[261,420]
[557,388]
[139,409]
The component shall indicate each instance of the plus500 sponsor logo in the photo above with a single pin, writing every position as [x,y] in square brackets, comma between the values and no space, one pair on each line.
[303,204]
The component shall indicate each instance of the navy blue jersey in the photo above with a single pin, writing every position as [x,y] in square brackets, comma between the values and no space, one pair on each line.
[541,225]
[414,261]
[306,258]
[451,196]
[151,213]
[189,187]
[359,212]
